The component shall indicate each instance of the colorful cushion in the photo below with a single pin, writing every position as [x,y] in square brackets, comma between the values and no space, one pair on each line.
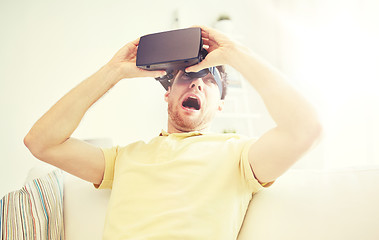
[35,211]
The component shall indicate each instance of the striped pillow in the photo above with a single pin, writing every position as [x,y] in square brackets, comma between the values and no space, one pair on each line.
[35,211]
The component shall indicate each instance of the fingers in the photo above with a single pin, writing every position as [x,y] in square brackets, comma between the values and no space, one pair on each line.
[130,45]
[210,43]
[146,73]
[135,42]
[128,51]
[199,66]
[204,30]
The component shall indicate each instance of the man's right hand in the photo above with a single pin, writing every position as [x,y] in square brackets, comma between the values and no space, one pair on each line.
[124,61]
[50,137]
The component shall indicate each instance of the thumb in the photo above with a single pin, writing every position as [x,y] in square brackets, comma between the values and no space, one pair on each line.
[197,67]
[147,73]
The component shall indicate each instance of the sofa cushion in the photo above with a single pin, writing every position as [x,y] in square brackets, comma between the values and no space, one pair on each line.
[309,204]
[35,211]
[84,206]
[84,209]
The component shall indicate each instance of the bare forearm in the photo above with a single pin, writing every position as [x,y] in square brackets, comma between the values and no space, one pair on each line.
[57,125]
[289,109]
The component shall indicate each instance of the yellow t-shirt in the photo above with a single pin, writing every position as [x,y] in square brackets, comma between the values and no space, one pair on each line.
[178,186]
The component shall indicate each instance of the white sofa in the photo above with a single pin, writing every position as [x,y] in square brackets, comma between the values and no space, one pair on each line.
[302,204]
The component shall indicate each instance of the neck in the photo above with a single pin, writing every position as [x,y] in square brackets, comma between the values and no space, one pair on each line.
[172,129]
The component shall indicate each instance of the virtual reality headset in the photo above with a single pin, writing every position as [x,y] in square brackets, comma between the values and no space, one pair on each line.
[174,50]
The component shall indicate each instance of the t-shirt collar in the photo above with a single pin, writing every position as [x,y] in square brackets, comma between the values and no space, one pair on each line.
[184,134]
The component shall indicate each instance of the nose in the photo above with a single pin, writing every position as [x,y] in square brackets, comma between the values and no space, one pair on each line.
[197,83]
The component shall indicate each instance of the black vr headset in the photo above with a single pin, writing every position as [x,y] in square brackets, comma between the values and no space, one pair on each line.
[172,51]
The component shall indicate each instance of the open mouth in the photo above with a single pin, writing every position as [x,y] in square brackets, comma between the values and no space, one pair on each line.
[192,103]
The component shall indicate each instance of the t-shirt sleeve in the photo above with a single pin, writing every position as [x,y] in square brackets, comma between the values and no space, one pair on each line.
[247,171]
[110,156]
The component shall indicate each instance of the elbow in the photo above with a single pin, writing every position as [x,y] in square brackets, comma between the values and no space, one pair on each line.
[33,145]
[312,134]
[28,141]
[316,130]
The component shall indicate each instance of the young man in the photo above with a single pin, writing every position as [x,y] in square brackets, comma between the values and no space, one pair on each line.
[185,183]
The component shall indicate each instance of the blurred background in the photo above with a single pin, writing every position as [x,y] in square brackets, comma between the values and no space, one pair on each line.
[327,48]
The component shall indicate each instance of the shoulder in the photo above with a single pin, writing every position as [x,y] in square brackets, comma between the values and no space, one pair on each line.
[229,138]
[227,142]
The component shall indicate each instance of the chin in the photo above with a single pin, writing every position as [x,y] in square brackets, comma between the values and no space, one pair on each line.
[188,122]
[189,126]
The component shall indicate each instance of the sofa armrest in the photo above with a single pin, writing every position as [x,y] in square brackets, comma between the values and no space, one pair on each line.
[308,204]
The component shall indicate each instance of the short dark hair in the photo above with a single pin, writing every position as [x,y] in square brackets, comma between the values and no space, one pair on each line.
[224,80]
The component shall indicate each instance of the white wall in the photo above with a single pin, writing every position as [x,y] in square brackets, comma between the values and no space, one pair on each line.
[48,47]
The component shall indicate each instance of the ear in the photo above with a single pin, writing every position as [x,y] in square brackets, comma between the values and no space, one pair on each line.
[221,105]
[167,94]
